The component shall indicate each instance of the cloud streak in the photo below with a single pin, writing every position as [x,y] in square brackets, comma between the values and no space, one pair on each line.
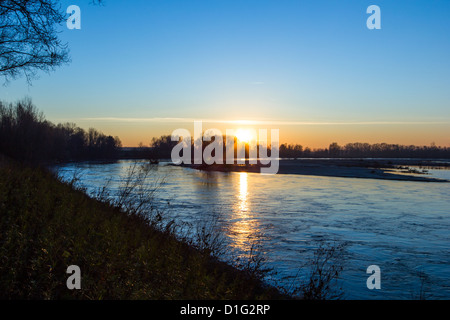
[259,122]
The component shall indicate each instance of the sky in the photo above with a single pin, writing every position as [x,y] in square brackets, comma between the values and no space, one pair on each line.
[311,69]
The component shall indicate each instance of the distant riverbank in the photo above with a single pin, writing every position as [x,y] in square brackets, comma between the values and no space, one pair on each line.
[387,169]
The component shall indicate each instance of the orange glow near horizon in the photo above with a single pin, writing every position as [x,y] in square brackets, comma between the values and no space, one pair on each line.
[312,136]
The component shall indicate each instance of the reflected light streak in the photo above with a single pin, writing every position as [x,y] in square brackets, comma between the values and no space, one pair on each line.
[243,192]
[243,228]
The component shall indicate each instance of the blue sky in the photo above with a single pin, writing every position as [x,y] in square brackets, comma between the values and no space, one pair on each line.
[281,61]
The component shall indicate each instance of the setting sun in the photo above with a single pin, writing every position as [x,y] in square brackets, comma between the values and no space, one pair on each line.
[244,135]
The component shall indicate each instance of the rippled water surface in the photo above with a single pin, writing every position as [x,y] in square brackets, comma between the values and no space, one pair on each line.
[401,226]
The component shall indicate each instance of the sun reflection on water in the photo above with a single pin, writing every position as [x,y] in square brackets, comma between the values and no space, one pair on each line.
[243,192]
[244,227]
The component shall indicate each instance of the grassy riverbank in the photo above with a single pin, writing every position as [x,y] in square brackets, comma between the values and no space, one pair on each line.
[47,225]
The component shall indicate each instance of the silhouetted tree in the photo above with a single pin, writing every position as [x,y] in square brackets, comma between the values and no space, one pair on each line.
[334,150]
[162,147]
[29,39]
[291,151]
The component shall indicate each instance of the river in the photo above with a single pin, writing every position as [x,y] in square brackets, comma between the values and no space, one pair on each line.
[400,226]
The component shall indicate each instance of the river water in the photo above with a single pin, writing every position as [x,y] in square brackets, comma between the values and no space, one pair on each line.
[401,226]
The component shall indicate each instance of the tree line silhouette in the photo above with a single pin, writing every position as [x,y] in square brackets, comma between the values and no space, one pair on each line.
[27,136]
[366,150]
[161,148]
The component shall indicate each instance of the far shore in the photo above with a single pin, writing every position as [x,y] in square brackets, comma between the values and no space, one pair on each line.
[387,169]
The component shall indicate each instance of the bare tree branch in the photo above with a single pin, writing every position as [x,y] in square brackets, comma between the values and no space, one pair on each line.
[29,37]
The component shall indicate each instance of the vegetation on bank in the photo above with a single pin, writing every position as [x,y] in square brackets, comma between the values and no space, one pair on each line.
[47,225]
[162,147]
[25,135]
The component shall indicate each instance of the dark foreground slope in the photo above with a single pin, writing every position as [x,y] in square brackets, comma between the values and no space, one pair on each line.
[47,225]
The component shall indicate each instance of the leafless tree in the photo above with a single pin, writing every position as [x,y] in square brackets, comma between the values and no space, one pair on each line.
[325,267]
[29,39]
